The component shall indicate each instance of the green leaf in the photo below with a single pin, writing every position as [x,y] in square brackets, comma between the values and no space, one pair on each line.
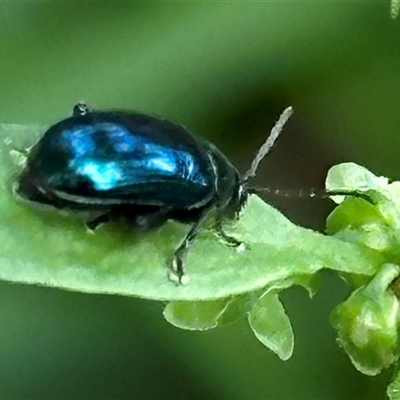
[271,325]
[195,315]
[366,323]
[237,308]
[352,177]
[43,247]
[358,221]
[310,282]
[393,390]
[376,224]
[394,8]
[204,315]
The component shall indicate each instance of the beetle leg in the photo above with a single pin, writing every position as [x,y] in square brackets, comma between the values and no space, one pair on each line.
[228,240]
[151,220]
[94,223]
[142,218]
[177,268]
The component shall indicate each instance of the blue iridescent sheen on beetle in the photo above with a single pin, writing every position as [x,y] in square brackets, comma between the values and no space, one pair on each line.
[139,168]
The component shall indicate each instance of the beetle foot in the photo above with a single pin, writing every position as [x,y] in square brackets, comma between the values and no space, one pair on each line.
[176,271]
[230,241]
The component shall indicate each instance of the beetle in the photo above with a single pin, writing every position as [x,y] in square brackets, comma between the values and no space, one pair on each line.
[142,169]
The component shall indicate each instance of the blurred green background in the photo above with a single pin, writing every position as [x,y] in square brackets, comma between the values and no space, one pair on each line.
[225,70]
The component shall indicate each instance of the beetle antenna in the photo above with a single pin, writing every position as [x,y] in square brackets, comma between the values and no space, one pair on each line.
[290,193]
[312,193]
[269,143]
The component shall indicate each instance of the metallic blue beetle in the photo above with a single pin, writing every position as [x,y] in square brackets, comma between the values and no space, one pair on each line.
[137,168]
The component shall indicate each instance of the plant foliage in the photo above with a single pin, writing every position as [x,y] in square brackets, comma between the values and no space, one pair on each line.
[43,248]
